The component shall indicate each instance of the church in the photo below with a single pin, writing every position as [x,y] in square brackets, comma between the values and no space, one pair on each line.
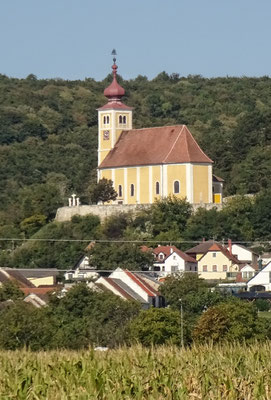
[151,163]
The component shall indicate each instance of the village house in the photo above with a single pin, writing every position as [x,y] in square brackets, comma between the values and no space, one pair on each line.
[215,261]
[170,260]
[261,281]
[245,255]
[131,286]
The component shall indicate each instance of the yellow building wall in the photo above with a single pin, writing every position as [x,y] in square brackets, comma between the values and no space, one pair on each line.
[47,280]
[106,173]
[176,172]
[219,261]
[156,177]
[119,180]
[144,185]
[200,180]
[131,179]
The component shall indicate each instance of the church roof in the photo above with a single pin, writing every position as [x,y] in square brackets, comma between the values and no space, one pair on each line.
[150,146]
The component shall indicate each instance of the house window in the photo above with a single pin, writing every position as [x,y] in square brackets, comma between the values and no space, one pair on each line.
[225,268]
[120,119]
[214,268]
[107,119]
[132,190]
[161,256]
[124,119]
[157,188]
[244,275]
[174,257]
[176,187]
[120,191]
[214,254]
[204,268]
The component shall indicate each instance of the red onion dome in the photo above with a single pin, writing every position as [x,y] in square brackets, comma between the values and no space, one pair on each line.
[114,91]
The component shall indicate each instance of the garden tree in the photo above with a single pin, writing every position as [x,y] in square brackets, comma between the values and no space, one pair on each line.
[202,224]
[24,326]
[114,226]
[102,191]
[169,214]
[261,215]
[9,290]
[109,256]
[84,317]
[177,287]
[157,326]
[232,321]
[235,219]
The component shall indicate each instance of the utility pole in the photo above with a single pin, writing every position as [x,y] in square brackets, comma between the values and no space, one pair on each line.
[180,300]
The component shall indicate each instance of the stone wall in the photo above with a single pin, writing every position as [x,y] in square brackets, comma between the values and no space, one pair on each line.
[66,213]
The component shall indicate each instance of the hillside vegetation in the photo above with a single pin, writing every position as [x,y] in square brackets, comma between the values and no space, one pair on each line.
[48,136]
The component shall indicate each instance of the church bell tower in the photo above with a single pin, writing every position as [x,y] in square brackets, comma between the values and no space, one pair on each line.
[113,117]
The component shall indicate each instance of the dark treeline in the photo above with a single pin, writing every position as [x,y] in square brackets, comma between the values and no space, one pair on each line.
[48,136]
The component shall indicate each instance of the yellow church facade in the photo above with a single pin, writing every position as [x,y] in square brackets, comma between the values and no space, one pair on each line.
[150,163]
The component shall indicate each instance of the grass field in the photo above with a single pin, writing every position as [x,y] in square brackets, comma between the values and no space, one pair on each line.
[205,372]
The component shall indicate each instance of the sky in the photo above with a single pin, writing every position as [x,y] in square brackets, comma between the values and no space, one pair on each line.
[73,39]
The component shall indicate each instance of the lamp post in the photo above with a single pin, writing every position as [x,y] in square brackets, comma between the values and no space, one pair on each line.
[180,300]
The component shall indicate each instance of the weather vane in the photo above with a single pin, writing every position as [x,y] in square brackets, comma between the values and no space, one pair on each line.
[114,53]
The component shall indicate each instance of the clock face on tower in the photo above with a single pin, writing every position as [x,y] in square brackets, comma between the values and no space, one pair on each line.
[106,135]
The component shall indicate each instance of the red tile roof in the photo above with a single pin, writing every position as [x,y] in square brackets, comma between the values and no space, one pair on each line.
[114,105]
[152,146]
[203,247]
[222,249]
[149,287]
[139,282]
[118,288]
[167,251]
[39,290]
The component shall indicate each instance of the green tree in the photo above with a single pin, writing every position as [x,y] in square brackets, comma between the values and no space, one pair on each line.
[102,191]
[157,326]
[235,320]
[10,291]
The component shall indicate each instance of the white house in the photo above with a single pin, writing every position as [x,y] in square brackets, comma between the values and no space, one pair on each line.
[82,271]
[169,260]
[243,254]
[261,281]
[131,286]
[246,273]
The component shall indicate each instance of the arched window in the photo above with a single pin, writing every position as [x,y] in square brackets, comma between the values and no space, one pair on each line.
[124,119]
[104,119]
[157,188]
[120,191]
[132,189]
[176,187]
[107,119]
[120,119]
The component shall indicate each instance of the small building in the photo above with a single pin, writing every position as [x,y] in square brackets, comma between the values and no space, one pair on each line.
[246,273]
[39,276]
[81,271]
[170,260]
[261,281]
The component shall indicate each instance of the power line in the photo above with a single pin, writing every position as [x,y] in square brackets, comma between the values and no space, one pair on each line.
[128,241]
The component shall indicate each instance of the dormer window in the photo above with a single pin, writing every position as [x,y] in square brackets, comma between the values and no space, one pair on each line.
[161,256]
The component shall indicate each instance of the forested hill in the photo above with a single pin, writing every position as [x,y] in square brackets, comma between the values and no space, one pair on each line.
[48,133]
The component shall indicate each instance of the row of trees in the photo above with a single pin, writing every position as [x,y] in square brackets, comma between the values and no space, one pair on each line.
[169,220]
[84,318]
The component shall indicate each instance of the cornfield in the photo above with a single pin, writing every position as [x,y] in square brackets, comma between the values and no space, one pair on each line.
[201,372]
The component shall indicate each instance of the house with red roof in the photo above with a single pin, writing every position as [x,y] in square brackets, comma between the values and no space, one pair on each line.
[218,263]
[170,260]
[151,163]
[131,286]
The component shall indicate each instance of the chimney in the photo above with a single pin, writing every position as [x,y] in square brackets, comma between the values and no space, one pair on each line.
[230,246]
[171,250]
